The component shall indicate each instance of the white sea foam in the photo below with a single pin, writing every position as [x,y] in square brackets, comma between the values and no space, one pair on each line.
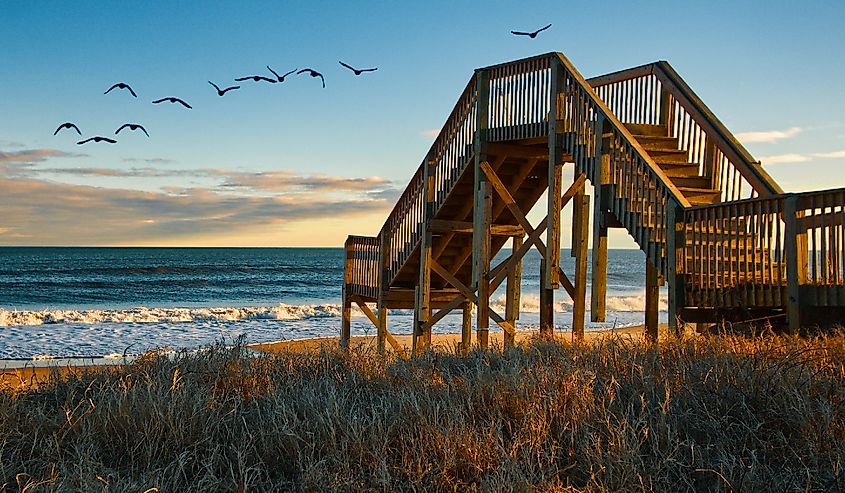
[166,315]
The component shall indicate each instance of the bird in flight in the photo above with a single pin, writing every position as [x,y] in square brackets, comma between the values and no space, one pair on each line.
[280,77]
[313,73]
[357,71]
[256,78]
[97,139]
[221,92]
[173,100]
[531,35]
[67,125]
[132,126]
[121,85]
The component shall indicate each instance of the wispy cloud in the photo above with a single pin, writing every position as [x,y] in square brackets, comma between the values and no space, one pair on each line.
[784,159]
[33,155]
[152,160]
[834,154]
[282,181]
[769,136]
[431,133]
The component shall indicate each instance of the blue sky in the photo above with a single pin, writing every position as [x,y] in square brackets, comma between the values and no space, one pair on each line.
[295,164]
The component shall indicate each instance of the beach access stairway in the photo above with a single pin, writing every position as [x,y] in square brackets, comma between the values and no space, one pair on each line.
[711,222]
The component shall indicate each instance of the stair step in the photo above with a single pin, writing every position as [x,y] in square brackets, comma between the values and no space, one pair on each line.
[642,129]
[690,181]
[679,169]
[701,196]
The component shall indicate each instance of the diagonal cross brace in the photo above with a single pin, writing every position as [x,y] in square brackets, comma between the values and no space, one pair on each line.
[374,319]
[470,295]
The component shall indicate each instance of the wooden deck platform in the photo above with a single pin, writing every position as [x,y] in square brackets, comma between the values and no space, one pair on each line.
[710,221]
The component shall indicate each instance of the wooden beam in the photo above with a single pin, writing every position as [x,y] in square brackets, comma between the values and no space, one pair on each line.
[376,321]
[675,246]
[506,196]
[438,316]
[601,208]
[346,315]
[467,292]
[465,227]
[535,235]
[466,328]
[547,310]
[555,177]
[652,300]
[580,298]
[518,151]
[514,293]
[796,263]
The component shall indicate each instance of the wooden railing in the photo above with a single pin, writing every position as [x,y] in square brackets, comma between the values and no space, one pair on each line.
[519,98]
[820,245]
[361,271]
[655,94]
[734,254]
[749,252]
[643,192]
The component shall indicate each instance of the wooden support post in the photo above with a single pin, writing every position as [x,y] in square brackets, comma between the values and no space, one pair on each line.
[466,328]
[675,245]
[482,212]
[795,246]
[383,289]
[514,292]
[577,212]
[547,308]
[552,269]
[382,326]
[422,329]
[580,301]
[652,300]
[346,317]
[601,207]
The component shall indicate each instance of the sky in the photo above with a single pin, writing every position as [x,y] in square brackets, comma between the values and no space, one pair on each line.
[293,164]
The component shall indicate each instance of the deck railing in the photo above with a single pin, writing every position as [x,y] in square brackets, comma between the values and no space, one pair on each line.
[749,252]
[362,266]
[655,94]
[734,253]
[820,232]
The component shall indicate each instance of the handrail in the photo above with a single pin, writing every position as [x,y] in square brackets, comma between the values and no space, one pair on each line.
[622,129]
[649,94]
[669,76]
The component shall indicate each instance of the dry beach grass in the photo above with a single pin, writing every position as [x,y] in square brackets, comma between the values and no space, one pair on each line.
[722,413]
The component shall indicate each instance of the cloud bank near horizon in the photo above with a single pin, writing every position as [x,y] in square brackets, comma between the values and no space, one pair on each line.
[253,205]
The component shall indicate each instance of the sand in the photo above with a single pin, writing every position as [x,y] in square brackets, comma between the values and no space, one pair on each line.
[17,376]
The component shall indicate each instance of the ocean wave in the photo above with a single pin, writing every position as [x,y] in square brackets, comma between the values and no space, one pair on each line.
[167,315]
[530,303]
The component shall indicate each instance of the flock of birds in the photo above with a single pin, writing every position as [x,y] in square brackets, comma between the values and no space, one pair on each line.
[277,78]
[222,92]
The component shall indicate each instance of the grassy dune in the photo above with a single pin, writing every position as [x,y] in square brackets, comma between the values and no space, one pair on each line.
[714,414]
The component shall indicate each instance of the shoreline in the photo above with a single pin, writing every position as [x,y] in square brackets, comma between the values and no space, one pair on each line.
[31,373]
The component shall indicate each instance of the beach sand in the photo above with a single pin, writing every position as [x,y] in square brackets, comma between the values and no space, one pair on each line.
[36,373]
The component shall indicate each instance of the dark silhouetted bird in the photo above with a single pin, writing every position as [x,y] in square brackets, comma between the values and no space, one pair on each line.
[357,71]
[173,100]
[531,35]
[121,85]
[281,78]
[132,126]
[221,92]
[67,125]
[256,78]
[97,139]
[313,73]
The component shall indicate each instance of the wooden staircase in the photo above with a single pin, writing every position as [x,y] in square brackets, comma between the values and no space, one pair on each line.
[711,222]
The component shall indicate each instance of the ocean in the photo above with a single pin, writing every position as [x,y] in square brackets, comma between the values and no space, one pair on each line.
[105,302]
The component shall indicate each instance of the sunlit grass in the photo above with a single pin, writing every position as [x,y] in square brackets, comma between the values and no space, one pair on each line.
[721,413]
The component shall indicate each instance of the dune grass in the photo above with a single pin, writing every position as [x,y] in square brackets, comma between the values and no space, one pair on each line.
[705,414]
